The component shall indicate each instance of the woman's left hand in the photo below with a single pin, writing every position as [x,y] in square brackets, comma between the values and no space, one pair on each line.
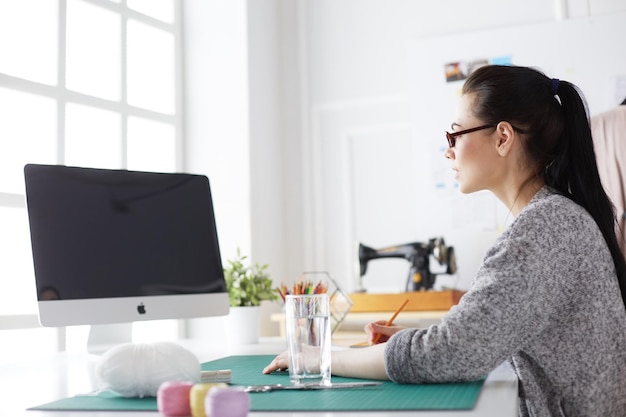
[280,363]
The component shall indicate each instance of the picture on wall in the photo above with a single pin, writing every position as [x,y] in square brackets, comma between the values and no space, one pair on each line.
[458,71]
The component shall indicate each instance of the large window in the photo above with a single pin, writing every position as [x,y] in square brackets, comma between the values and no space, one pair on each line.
[92,83]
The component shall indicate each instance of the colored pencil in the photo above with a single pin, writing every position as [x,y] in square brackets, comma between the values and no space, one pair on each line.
[302,288]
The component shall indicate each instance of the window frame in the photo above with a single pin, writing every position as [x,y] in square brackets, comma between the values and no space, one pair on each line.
[63,96]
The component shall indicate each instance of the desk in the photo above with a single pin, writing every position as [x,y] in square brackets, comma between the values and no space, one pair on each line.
[65,374]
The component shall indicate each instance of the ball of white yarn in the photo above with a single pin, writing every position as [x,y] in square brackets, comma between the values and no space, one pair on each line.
[138,369]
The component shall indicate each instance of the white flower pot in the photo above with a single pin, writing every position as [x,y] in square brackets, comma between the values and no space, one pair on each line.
[243,325]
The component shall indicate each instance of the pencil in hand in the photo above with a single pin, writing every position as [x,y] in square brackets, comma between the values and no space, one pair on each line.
[390,321]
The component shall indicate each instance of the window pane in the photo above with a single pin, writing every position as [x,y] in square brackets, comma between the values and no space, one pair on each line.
[92,137]
[151,81]
[29,33]
[151,145]
[93,50]
[17,276]
[28,132]
[159,9]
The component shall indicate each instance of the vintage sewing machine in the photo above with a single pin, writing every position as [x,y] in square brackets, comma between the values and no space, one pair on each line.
[420,279]
[418,254]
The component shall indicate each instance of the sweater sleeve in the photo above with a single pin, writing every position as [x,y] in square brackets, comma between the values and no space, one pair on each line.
[518,289]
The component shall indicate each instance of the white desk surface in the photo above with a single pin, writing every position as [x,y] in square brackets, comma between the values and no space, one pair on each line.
[65,374]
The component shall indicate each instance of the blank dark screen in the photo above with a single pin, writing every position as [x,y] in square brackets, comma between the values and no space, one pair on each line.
[114,233]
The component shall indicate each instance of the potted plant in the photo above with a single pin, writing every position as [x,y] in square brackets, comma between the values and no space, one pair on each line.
[247,286]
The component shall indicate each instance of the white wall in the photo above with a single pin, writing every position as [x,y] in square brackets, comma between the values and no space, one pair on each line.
[241,102]
[216,111]
[282,92]
[275,203]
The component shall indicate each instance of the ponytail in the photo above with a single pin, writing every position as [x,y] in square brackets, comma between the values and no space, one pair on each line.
[574,172]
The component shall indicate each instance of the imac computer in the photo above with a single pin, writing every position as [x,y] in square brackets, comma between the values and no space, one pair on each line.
[119,246]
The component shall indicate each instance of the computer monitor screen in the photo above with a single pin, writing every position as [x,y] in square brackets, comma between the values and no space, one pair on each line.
[117,246]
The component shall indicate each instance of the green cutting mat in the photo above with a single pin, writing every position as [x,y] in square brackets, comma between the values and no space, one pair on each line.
[246,370]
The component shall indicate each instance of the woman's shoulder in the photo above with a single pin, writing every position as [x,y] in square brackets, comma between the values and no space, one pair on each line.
[548,205]
[552,218]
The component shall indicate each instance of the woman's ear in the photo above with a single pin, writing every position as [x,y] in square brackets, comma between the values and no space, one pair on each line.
[506,138]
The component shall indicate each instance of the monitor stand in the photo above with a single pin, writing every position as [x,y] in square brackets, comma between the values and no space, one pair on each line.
[104,336]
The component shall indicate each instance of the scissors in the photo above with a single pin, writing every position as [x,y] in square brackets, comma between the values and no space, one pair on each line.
[279,387]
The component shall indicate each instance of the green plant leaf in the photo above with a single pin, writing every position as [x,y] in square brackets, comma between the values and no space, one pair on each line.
[248,285]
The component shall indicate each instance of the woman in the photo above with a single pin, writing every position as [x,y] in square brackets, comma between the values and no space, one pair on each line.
[549,295]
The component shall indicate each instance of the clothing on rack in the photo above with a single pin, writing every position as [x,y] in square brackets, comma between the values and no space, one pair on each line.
[609,138]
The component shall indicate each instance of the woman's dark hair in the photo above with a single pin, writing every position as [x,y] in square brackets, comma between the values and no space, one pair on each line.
[557,137]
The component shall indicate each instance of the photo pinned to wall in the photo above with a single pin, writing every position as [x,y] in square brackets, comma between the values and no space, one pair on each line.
[460,70]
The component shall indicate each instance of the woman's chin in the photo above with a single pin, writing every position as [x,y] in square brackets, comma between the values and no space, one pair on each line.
[465,189]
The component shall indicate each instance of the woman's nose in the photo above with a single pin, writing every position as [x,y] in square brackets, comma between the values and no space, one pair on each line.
[449,153]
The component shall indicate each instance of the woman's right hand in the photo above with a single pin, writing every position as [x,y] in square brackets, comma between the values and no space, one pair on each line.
[380,332]
[279,363]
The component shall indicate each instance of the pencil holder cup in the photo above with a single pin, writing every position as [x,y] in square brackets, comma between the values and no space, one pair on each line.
[308,338]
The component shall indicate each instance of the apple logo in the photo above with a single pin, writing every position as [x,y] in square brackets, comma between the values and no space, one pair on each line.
[141,309]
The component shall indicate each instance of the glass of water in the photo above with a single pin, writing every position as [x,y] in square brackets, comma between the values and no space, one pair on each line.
[308,338]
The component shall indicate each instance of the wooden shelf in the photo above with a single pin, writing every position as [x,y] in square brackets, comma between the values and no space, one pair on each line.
[418,301]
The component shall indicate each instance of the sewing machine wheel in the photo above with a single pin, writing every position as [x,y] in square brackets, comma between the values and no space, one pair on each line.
[440,253]
[451,261]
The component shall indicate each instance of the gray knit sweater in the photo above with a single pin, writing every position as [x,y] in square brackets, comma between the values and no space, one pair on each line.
[546,298]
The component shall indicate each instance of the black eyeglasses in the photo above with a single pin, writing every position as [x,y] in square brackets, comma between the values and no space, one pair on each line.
[452,136]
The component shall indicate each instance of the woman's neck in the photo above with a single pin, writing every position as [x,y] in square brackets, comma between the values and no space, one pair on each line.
[526,191]
[517,194]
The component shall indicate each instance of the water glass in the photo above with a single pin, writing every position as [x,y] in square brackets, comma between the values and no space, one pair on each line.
[308,338]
